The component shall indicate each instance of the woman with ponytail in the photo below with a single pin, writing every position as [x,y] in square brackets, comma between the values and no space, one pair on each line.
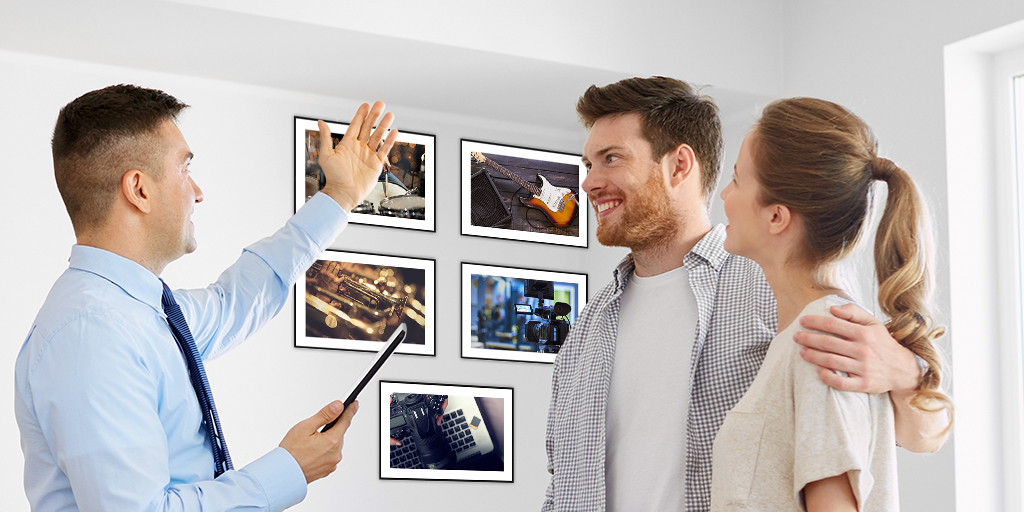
[797,205]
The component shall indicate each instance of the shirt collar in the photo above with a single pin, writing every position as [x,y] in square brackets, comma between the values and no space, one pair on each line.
[710,248]
[136,280]
[622,272]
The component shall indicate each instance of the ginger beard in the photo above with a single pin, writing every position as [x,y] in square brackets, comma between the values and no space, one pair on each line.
[647,219]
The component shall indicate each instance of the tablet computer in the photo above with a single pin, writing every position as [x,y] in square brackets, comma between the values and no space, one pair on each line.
[367,374]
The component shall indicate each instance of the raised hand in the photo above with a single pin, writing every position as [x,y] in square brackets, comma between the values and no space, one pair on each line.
[353,166]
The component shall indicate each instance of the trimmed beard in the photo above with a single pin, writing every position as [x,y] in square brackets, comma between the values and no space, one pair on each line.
[647,220]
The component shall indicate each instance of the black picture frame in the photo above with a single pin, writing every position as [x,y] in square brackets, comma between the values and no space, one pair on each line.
[511,343]
[355,300]
[394,202]
[483,462]
[497,200]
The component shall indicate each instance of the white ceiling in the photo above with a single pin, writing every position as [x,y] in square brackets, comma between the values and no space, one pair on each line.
[526,64]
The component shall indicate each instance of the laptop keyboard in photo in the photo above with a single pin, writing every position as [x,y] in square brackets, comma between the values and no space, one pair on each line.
[466,432]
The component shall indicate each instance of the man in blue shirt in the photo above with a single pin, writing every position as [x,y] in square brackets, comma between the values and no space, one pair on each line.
[109,418]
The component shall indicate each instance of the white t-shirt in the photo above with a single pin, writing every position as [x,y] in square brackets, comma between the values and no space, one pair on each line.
[791,429]
[645,437]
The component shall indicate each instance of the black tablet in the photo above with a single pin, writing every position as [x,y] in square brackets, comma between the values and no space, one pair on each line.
[364,378]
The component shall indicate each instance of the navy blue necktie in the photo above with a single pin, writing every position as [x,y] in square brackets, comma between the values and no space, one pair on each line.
[196,372]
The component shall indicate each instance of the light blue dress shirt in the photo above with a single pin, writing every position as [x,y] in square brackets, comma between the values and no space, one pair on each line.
[109,420]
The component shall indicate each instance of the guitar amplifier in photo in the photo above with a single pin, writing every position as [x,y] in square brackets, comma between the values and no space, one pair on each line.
[486,208]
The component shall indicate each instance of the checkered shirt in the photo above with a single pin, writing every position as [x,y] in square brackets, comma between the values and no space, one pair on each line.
[736,321]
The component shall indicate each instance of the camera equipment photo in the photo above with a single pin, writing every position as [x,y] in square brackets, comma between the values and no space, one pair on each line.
[551,334]
[414,416]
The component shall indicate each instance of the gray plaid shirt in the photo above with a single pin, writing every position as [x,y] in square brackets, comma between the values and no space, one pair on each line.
[736,321]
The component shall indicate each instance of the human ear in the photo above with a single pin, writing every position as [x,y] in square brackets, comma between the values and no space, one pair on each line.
[136,187]
[683,164]
[779,218]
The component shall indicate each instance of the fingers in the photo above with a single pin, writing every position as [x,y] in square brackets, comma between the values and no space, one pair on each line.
[382,153]
[854,314]
[357,121]
[339,428]
[322,417]
[371,119]
[380,132]
[829,324]
[831,361]
[826,343]
[326,144]
[395,442]
[851,383]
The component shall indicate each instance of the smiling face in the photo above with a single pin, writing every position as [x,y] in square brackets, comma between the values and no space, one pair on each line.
[626,186]
[748,225]
[175,197]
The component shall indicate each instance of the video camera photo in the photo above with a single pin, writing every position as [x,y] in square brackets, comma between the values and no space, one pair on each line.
[549,334]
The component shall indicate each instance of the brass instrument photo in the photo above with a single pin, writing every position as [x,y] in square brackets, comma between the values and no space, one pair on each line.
[352,300]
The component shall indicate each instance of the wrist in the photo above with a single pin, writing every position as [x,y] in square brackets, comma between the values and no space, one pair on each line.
[908,381]
[906,387]
[344,200]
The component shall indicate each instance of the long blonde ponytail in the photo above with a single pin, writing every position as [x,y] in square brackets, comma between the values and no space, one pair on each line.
[903,263]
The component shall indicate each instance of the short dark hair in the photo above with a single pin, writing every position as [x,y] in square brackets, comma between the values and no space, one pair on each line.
[672,112]
[98,137]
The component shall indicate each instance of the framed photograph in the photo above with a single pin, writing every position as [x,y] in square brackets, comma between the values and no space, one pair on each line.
[526,194]
[518,314]
[354,301]
[470,436]
[404,194]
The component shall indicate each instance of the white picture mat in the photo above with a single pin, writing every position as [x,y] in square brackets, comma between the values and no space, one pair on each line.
[427,141]
[301,340]
[386,471]
[582,205]
[470,269]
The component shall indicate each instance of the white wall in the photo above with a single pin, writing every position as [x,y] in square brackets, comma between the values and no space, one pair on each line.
[885,61]
[241,136]
[882,59]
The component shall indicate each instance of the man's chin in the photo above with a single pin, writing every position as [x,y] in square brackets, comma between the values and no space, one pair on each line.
[610,238]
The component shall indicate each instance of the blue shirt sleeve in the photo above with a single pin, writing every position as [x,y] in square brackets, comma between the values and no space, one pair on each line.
[255,288]
[107,436]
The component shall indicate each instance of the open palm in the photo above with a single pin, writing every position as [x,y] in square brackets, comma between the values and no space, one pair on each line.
[352,167]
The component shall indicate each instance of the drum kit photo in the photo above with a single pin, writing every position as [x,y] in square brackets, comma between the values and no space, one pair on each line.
[389,197]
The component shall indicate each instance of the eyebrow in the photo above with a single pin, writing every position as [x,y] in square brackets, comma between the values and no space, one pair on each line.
[604,151]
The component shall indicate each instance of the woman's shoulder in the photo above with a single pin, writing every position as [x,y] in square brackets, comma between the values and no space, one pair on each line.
[823,306]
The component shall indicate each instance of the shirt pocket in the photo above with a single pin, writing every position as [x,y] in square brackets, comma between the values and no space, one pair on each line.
[736,451]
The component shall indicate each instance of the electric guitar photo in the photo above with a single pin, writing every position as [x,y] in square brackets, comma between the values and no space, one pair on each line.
[558,203]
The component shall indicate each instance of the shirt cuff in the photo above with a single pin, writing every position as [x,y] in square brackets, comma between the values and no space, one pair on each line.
[315,217]
[281,478]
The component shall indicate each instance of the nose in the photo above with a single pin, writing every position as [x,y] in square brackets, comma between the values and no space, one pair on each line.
[198,191]
[591,182]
